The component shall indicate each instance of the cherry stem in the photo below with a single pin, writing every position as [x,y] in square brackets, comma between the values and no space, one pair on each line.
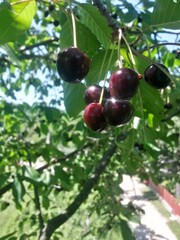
[105,77]
[102,65]
[73,25]
[119,49]
[131,55]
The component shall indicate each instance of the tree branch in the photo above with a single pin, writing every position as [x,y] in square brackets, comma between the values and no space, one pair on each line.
[57,221]
[43,43]
[104,12]
[168,32]
[54,161]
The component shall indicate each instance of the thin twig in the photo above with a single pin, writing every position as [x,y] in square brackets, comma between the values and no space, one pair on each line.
[64,158]
[160,44]
[43,43]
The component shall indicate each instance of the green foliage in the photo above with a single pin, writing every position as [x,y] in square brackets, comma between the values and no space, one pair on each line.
[15,18]
[97,72]
[166,16]
[47,153]
[74,98]
[96,23]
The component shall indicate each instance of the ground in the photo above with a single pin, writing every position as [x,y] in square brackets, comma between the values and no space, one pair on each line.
[153,226]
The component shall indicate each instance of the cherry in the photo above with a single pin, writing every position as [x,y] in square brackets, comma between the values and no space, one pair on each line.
[139,18]
[156,77]
[117,112]
[168,106]
[93,117]
[51,7]
[46,13]
[93,93]
[124,83]
[139,146]
[56,23]
[72,64]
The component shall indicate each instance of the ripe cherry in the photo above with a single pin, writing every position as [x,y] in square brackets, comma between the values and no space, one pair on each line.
[168,106]
[124,83]
[156,77]
[117,112]
[93,93]
[94,118]
[72,64]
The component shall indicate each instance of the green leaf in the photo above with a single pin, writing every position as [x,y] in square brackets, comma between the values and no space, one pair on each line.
[45,202]
[166,14]
[150,135]
[18,191]
[93,20]
[151,100]
[23,237]
[16,20]
[119,231]
[3,205]
[152,152]
[128,144]
[52,114]
[130,14]
[12,55]
[126,231]
[63,176]
[112,234]
[74,98]
[31,175]
[95,74]
[3,178]
[86,40]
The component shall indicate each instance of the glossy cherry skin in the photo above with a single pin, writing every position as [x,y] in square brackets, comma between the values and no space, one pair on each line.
[93,93]
[117,112]
[156,77]
[124,83]
[72,64]
[94,118]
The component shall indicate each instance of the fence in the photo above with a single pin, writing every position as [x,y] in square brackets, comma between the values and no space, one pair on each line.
[167,196]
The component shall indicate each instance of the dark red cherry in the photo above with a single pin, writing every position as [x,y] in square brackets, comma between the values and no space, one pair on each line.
[94,118]
[168,106]
[51,7]
[93,93]
[156,77]
[124,83]
[72,64]
[117,112]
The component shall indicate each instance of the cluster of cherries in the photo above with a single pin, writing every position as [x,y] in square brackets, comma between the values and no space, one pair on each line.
[115,108]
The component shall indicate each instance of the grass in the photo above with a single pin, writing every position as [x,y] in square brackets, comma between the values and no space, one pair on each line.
[173,225]
[8,220]
[13,221]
